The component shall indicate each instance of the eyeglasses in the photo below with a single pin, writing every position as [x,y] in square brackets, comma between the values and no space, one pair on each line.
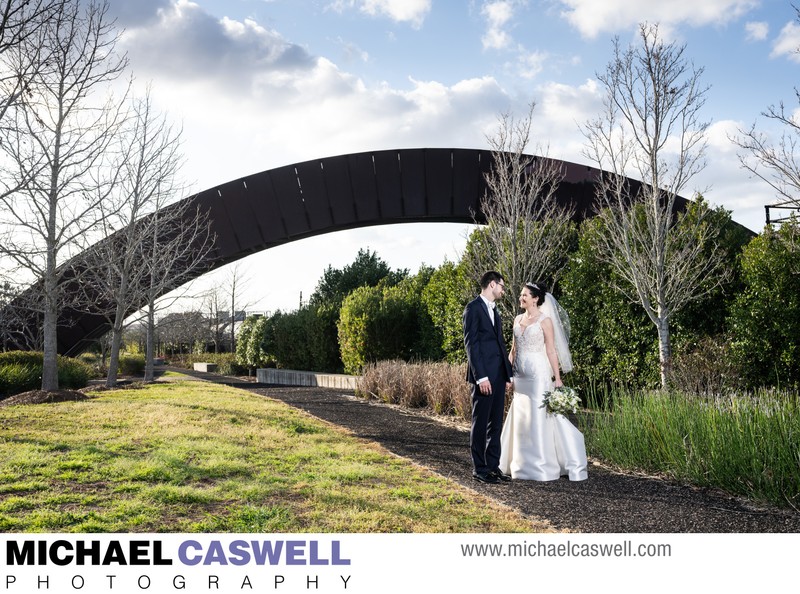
[501,285]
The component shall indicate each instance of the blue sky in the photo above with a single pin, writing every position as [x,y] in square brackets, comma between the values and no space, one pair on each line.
[262,83]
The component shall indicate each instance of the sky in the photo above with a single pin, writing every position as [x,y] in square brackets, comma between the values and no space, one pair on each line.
[258,84]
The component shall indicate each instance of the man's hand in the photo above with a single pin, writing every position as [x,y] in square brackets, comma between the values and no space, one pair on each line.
[485,387]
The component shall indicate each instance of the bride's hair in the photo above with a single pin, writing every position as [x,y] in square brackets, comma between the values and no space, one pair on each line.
[537,290]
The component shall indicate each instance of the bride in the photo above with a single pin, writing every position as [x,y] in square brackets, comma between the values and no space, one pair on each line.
[537,445]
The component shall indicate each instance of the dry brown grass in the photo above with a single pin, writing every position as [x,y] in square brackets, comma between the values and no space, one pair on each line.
[439,387]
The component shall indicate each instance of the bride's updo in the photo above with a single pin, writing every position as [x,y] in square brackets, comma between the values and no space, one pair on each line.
[537,290]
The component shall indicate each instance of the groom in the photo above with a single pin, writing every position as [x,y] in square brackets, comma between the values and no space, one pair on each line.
[489,372]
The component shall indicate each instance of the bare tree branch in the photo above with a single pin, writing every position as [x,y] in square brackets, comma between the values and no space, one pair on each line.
[650,129]
[119,267]
[776,162]
[59,140]
[527,231]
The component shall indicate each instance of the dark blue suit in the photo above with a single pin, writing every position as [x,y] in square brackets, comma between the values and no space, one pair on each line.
[486,357]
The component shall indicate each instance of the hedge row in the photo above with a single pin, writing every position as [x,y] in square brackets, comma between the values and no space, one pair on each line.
[21,371]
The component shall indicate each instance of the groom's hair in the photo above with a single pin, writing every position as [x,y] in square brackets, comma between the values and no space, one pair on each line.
[489,276]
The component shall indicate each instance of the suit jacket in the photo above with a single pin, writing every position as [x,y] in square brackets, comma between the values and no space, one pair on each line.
[484,344]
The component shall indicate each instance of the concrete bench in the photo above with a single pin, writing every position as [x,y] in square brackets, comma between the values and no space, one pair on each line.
[207,367]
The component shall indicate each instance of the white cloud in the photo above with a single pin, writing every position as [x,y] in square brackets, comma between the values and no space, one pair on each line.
[757,31]
[401,11]
[188,44]
[498,14]
[137,13]
[351,52]
[531,63]
[561,110]
[788,42]
[285,116]
[725,183]
[592,17]
[719,136]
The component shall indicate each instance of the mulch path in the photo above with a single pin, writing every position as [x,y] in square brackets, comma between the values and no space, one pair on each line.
[609,502]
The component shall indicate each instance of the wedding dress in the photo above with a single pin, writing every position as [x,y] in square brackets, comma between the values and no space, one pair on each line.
[536,445]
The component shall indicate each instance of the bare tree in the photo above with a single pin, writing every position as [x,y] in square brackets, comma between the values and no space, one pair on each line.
[527,231]
[181,242]
[237,283]
[223,302]
[214,303]
[651,129]
[775,162]
[59,142]
[182,330]
[148,166]
[18,22]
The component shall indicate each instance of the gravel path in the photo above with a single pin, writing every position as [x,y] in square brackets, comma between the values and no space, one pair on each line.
[609,502]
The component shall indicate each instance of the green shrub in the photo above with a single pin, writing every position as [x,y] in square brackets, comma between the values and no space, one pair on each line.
[290,339]
[92,359]
[73,373]
[21,371]
[765,320]
[131,364]
[19,377]
[21,357]
[95,362]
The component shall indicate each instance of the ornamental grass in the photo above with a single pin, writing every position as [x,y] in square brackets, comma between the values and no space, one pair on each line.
[744,444]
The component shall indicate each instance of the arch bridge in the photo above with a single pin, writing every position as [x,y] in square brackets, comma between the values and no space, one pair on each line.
[293,202]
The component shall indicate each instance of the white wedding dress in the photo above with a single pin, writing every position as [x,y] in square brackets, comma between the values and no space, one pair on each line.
[536,445]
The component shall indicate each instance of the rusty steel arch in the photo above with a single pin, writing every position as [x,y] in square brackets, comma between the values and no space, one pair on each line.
[293,202]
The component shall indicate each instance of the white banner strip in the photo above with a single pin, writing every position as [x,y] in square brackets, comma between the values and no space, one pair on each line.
[385,563]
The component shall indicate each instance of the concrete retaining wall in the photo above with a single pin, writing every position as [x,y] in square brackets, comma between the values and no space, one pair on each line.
[289,377]
[206,367]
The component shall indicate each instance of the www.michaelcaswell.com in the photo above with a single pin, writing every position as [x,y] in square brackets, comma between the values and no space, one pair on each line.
[626,548]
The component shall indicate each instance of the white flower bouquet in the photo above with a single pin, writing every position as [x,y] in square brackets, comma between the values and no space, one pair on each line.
[560,401]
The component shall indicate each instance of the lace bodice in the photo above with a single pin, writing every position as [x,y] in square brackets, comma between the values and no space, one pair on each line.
[529,339]
[530,360]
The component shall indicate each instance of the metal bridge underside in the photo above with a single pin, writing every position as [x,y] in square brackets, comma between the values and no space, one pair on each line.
[289,203]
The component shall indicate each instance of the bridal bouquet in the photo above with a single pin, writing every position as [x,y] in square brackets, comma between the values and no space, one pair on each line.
[560,401]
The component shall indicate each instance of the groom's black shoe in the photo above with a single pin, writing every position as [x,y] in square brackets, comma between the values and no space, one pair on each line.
[500,475]
[485,477]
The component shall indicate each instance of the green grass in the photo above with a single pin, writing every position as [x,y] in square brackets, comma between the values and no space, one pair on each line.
[747,445]
[173,375]
[199,457]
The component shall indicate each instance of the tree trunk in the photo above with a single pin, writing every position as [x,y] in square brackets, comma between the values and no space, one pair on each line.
[664,352]
[116,336]
[50,360]
[149,370]
[113,362]
[50,327]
